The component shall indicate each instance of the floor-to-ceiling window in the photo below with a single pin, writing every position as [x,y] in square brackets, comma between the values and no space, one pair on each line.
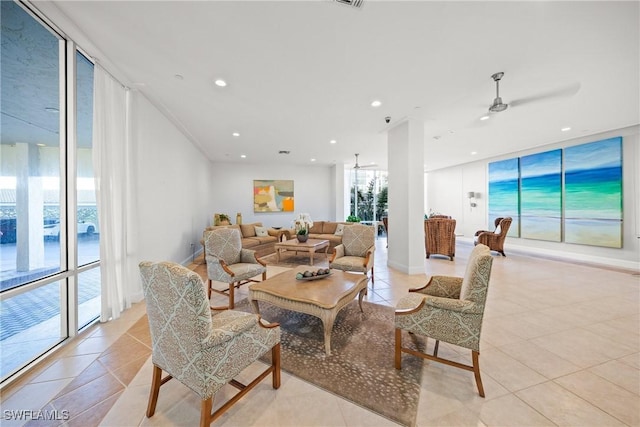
[368,194]
[49,247]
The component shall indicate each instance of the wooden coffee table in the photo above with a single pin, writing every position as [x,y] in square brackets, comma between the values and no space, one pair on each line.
[310,246]
[322,298]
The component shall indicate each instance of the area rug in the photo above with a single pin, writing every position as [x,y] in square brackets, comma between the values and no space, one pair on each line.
[361,366]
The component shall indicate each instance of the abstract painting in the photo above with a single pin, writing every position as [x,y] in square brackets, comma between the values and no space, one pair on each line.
[504,194]
[541,196]
[593,193]
[273,195]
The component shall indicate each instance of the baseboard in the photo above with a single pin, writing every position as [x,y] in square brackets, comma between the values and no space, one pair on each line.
[189,260]
[566,256]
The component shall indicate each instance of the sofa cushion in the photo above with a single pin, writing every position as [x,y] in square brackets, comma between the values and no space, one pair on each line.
[330,237]
[339,229]
[317,227]
[249,242]
[329,227]
[249,230]
[265,239]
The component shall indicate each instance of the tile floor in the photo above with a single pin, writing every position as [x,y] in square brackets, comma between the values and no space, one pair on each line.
[560,346]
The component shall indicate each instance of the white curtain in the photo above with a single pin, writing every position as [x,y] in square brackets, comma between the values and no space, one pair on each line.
[113,165]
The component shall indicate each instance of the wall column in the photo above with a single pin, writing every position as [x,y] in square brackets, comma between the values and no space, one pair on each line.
[29,209]
[405,145]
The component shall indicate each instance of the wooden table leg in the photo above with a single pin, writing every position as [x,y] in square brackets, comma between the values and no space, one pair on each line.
[311,252]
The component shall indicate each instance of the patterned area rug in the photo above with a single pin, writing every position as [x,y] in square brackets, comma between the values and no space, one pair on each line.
[360,367]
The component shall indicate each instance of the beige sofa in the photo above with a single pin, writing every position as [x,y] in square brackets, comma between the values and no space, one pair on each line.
[324,230]
[262,245]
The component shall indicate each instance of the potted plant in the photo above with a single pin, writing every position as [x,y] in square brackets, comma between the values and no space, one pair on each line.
[221,219]
[302,224]
[353,218]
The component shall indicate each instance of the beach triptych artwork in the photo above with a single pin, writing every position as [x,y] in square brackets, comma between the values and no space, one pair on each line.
[572,195]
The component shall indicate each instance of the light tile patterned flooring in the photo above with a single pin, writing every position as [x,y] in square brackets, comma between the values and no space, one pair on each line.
[560,346]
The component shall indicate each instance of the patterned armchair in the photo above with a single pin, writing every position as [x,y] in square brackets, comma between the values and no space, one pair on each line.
[356,251]
[227,262]
[494,239]
[440,236]
[202,350]
[448,309]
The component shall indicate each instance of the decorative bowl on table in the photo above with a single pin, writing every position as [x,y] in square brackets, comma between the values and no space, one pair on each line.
[321,273]
[276,228]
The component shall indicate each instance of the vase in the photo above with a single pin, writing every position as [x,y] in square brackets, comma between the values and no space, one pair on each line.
[238,218]
[302,237]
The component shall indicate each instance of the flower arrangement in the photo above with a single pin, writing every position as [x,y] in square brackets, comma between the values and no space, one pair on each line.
[302,224]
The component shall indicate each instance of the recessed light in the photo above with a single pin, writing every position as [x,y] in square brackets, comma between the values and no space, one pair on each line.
[484,118]
[284,152]
[41,145]
[473,153]
[313,160]
[178,76]
[567,129]
[220,82]
[243,156]
[51,109]
[437,137]
[333,141]
[376,103]
[236,134]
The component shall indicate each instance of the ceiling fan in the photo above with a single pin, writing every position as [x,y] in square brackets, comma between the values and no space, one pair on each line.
[561,92]
[357,166]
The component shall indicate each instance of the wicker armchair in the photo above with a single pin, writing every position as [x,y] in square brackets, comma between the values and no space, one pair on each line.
[440,237]
[494,239]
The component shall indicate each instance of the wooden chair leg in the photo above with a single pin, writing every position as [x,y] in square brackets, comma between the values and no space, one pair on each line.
[209,290]
[156,382]
[435,348]
[264,276]
[398,352]
[476,372]
[275,362]
[372,275]
[205,412]
[232,287]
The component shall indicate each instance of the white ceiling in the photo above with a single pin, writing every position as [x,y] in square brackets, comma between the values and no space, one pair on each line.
[301,73]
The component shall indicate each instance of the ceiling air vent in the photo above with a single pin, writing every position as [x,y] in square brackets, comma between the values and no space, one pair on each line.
[352,3]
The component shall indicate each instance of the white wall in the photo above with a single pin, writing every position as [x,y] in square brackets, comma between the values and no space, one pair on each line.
[232,192]
[447,189]
[173,187]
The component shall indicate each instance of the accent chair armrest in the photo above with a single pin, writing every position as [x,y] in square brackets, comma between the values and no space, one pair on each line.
[441,286]
[338,252]
[451,304]
[248,256]
[234,327]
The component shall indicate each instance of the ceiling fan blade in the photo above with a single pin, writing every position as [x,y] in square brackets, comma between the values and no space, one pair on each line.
[561,92]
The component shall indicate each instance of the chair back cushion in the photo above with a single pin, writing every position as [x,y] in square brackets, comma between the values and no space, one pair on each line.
[476,277]
[224,243]
[179,319]
[357,239]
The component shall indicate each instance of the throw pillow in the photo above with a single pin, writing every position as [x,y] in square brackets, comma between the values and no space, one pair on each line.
[498,230]
[261,231]
[339,230]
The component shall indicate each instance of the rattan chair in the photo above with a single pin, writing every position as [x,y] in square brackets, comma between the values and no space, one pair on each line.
[440,237]
[494,239]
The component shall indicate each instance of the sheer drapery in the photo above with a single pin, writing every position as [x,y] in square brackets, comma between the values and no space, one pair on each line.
[112,161]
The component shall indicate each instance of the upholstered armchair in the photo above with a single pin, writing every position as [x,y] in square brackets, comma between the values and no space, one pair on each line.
[448,309]
[356,251]
[440,236]
[201,349]
[494,239]
[228,262]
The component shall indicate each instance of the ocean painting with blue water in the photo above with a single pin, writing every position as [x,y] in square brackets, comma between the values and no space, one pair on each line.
[541,196]
[593,193]
[504,196]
